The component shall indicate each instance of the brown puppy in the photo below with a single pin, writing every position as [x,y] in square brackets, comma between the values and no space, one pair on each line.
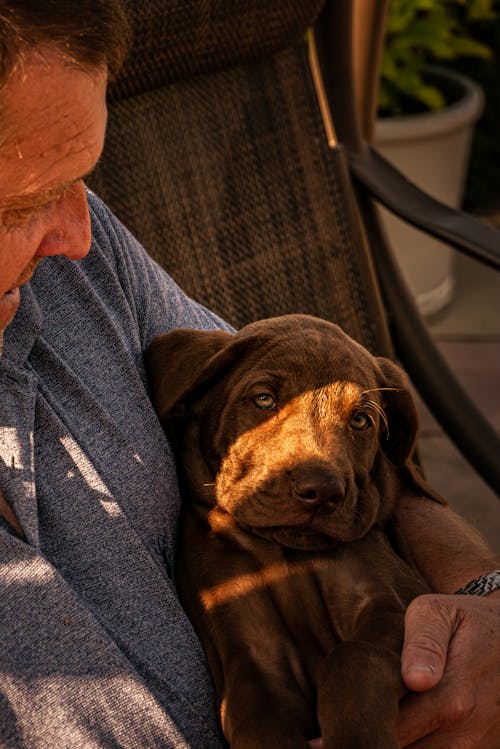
[293,445]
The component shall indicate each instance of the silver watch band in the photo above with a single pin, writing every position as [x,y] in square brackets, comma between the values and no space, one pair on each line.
[483,585]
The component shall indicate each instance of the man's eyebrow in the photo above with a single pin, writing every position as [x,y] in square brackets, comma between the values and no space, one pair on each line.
[44,196]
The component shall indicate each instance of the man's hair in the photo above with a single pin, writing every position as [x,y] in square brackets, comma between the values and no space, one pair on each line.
[87,33]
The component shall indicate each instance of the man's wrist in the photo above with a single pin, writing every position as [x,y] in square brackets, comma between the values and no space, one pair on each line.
[483,585]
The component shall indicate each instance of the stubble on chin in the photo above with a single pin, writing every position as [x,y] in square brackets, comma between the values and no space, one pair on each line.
[27,272]
[9,302]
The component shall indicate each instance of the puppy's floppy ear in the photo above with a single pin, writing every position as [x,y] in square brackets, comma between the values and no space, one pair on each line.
[402,419]
[178,361]
[400,411]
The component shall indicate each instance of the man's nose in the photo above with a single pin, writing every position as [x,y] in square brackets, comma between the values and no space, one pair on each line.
[68,229]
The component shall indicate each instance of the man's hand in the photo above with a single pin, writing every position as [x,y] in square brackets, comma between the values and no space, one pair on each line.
[451,656]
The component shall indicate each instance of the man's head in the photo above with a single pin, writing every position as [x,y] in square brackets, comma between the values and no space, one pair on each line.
[87,33]
[55,58]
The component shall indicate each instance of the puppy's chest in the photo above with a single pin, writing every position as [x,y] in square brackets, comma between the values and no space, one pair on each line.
[304,598]
[320,597]
[315,598]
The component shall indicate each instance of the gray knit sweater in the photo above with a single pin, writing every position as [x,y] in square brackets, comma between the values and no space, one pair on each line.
[95,649]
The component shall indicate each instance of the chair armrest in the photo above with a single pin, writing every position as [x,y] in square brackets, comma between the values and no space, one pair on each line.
[392,189]
[416,349]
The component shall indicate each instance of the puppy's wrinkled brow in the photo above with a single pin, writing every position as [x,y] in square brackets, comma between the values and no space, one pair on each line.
[336,400]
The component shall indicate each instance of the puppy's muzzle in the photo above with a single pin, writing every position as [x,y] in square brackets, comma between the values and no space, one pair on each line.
[318,489]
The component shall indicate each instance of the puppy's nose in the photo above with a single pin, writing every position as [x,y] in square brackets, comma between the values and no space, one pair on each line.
[319,489]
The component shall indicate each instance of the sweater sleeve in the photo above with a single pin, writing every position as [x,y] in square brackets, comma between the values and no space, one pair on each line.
[157,301]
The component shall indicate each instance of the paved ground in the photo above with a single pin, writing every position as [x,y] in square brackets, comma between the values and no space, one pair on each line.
[468,333]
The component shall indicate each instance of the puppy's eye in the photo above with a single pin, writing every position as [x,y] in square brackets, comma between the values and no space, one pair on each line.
[265,401]
[360,420]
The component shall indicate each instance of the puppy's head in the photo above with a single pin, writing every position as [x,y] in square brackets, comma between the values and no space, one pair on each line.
[289,426]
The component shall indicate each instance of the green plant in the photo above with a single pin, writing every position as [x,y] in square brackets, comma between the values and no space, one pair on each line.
[420,32]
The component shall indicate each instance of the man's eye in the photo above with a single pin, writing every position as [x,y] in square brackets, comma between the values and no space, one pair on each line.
[360,420]
[18,216]
[266,401]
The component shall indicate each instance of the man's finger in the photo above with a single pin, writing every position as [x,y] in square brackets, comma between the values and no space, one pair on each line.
[429,716]
[429,628]
[416,719]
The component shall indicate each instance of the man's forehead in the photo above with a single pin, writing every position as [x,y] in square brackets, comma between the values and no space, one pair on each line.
[54,120]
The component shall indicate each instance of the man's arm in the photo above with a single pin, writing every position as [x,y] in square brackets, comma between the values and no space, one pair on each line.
[443,546]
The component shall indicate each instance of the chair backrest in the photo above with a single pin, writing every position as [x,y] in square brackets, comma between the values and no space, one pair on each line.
[226,157]
[216,158]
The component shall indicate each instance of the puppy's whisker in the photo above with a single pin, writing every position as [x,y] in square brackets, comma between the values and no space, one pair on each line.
[377,407]
[377,390]
[380,411]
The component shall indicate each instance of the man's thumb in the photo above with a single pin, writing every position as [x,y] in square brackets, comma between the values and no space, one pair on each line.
[429,627]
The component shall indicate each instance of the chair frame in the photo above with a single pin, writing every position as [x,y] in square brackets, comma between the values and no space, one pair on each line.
[350,39]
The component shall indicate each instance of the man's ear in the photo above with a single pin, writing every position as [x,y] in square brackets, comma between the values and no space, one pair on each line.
[177,362]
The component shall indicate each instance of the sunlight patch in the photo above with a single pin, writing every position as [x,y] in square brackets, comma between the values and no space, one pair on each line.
[11,449]
[90,475]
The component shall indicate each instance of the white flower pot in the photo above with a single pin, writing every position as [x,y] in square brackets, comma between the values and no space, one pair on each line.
[432,150]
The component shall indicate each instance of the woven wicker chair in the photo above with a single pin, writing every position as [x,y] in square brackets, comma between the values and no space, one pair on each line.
[237,152]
